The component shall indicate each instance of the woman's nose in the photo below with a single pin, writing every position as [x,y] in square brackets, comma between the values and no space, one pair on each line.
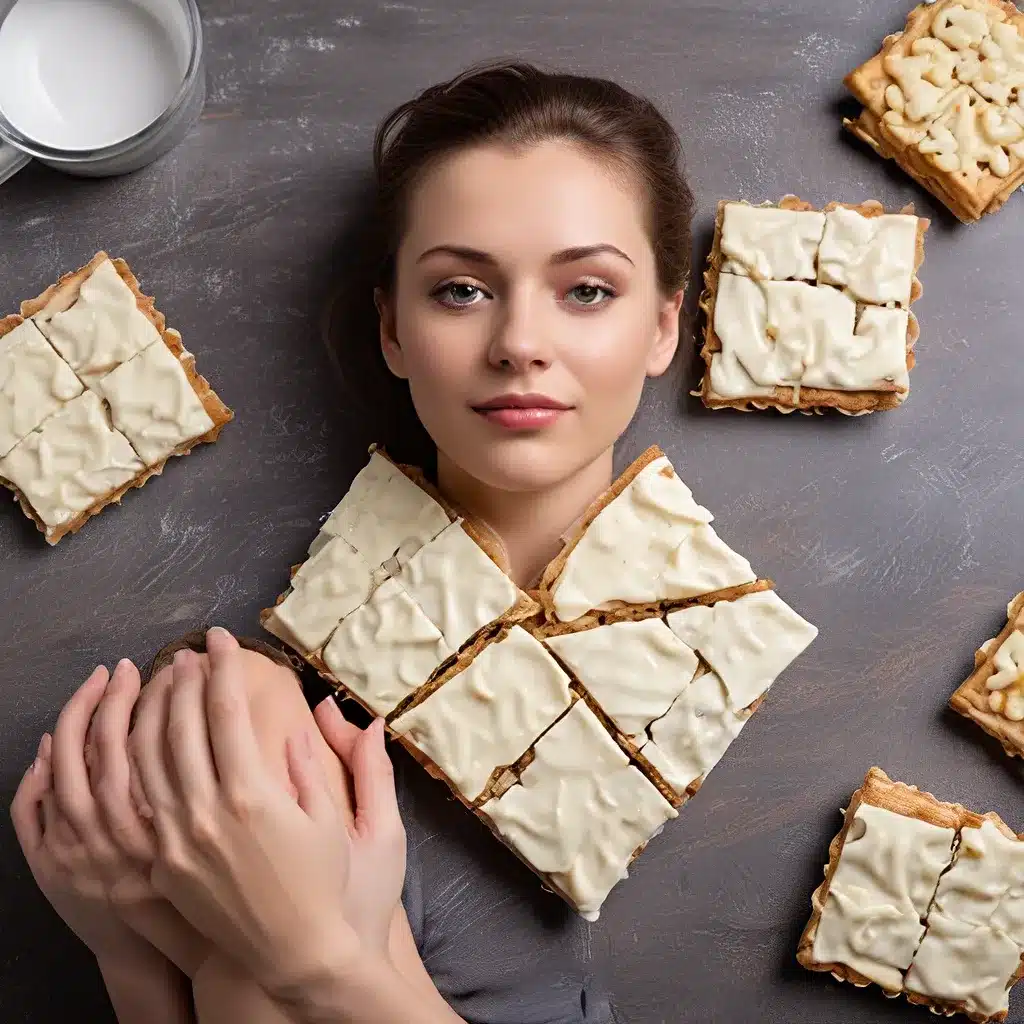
[520,340]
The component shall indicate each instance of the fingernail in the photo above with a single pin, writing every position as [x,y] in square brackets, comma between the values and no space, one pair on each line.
[330,705]
[217,631]
[44,746]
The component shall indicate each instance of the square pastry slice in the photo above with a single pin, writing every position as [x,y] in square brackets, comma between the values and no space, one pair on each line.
[633,670]
[942,99]
[385,649]
[95,329]
[812,317]
[72,465]
[923,898]
[486,715]
[324,590]
[384,515]
[993,695]
[581,811]
[646,541]
[458,587]
[34,381]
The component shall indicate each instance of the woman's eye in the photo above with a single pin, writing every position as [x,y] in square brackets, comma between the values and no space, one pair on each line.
[590,294]
[458,294]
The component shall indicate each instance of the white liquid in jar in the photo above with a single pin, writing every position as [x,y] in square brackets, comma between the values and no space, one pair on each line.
[84,74]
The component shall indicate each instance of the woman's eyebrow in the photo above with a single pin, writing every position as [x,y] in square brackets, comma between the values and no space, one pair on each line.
[572,255]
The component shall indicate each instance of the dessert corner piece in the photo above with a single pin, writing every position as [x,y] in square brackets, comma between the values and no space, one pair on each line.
[942,99]
[922,898]
[993,695]
[809,310]
[537,710]
[105,395]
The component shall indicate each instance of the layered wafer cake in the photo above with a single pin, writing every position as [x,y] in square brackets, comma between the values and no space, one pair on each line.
[574,719]
[943,100]
[924,899]
[96,394]
[993,695]
[807,310]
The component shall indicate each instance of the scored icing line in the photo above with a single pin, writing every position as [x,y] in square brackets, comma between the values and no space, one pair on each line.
[410,550]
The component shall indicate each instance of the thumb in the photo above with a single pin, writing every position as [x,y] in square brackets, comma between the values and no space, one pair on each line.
[307,776]
[373,778]
[336,729]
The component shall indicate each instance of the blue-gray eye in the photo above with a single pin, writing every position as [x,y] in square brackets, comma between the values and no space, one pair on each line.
[590,294]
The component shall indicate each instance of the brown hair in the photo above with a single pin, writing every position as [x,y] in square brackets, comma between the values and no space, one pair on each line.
[519,105]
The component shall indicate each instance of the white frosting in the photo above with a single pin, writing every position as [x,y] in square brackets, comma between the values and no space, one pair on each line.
[749,642]
[488,716]
[651,543]
[976,926]
[385,513]
[769,243]
[965,963]
[34,383]
[887,873]
[690,739]
[873,257]
[790,333]
[1006,684]
[153,404]
[581,810]
[386,649]
[458,587]
[633,669]
[98,327]
[73,461]
[985,885]
[327,588]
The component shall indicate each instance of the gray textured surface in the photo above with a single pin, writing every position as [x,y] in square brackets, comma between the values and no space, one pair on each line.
[898,534]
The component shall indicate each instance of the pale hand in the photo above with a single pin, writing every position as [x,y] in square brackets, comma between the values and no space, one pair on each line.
[83,839]
[266,874]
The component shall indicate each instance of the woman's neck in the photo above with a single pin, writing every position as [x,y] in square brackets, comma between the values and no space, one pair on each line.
[530,523]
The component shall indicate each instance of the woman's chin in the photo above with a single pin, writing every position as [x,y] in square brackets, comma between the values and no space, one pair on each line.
[526,464]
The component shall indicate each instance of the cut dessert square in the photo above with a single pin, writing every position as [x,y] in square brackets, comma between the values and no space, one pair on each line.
[971,952]
[693,735]
[384,514]
[771,244]
[634,670]
[581,811]
[836,333]
[458,587]
[923,898]
[749,641]
[71,463]
[326,588]
[993,695]
[488,714]
[407,607]
[34,381]
[153,403]
[386,649]
[942,99]
[648,541]
[95,330]
[94,321]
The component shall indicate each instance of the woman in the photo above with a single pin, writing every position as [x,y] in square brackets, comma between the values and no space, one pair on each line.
[536,232]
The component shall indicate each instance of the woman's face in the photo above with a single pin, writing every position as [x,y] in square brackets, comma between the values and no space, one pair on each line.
[526,312]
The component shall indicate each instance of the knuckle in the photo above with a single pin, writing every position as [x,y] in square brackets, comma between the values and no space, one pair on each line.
[202,827]
[224,708]
[241,802]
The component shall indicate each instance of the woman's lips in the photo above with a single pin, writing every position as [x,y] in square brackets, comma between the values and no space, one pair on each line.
[511,418]
[522,412]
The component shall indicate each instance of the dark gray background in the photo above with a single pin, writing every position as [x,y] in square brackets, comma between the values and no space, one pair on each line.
[898,535]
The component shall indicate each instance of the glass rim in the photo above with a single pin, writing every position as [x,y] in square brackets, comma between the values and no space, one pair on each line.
[12,136]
